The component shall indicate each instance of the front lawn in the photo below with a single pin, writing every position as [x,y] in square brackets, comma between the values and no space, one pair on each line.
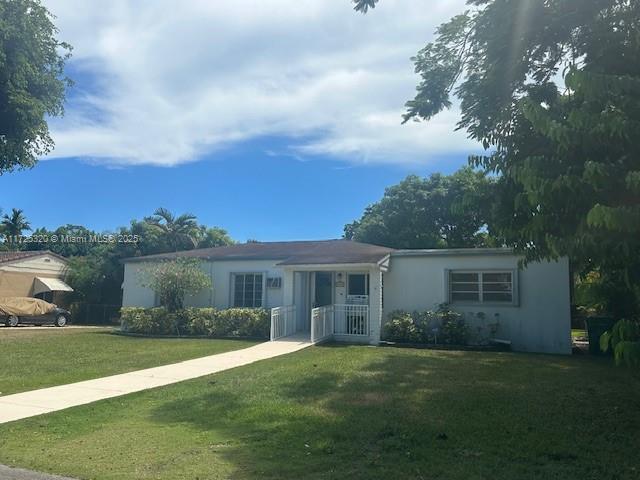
[355,412]
[36,358]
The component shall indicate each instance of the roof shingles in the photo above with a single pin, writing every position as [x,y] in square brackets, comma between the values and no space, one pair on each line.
[6,257]
[318,252]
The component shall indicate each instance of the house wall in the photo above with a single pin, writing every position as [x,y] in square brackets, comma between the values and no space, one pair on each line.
[135,295]
[17,278]
[540,322]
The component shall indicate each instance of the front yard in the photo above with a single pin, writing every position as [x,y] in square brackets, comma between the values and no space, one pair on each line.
[355,412]
[37,358]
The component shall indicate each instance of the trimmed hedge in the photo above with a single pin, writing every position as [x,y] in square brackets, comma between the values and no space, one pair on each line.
[210,322]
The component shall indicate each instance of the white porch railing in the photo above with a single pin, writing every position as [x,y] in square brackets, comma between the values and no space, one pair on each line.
[321,323]
[351,320]
[283,321]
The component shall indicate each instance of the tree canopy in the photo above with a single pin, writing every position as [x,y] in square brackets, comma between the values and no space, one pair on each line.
[95,267]
[551,89]
[439,211]
[32,82]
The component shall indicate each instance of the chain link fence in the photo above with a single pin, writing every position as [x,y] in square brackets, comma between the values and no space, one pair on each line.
[94,313]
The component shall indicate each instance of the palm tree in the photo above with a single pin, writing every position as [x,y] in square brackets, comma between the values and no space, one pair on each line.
[178,231]
[13,225]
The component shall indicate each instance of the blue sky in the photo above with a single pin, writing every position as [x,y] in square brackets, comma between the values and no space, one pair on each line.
[275,120]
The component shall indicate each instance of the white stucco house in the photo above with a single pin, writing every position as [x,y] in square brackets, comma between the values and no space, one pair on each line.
[345,290]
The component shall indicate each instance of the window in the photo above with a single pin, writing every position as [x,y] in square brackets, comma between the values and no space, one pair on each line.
[358,284]
[480,287]
[274,282]
[247,290]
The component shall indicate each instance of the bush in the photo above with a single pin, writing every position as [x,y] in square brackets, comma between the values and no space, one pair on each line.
[440,326]
[401,327]
[624,340]
[232,322]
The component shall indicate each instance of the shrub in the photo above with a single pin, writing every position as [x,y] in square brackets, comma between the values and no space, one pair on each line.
[440,326]
[453,328]
[624,340]
[232,322]
[148,320]
[401,327]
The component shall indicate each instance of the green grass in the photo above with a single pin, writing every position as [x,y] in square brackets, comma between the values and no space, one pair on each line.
[36,358]
[359,413]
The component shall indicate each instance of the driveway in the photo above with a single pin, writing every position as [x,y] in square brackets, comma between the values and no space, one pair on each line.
[45,400]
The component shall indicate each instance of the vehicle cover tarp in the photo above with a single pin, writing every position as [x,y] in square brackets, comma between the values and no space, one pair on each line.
[24,306]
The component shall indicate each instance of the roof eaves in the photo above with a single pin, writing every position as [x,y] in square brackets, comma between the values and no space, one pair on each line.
[452,251]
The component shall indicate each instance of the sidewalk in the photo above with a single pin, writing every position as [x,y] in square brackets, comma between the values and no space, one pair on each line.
[36,402]
[8,473]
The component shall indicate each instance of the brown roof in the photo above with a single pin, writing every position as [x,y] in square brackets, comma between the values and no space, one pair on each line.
[6,257]
[316,252]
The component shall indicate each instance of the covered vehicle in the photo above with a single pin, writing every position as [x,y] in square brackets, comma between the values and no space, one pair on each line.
[16,310]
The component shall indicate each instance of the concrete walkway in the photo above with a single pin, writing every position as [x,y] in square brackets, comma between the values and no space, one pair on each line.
[36,402]
[8,473]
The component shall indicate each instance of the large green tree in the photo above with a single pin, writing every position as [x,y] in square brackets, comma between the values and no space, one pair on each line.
[551,89]
[32,81]
[440,211]
[213,237]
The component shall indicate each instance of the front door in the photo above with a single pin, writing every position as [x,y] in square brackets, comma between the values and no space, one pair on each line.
[323,294]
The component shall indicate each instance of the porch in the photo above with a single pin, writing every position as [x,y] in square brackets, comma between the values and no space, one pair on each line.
[340,304]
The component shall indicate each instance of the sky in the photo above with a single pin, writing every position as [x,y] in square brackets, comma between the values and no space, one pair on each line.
[274,119]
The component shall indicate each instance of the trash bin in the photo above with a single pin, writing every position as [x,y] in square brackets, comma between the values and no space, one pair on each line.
[596,326]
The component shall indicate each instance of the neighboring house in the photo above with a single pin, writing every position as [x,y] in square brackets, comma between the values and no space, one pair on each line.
[334,288]
[36,274]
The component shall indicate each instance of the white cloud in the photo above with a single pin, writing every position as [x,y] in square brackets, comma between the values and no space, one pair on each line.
[176,81]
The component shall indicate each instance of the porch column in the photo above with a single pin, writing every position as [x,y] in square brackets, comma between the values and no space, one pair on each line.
[375,304]
[287,287]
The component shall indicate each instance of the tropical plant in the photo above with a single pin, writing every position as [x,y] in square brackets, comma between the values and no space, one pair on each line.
[181,232]
[624,340]
[13,226]
[173,280]
[32,82]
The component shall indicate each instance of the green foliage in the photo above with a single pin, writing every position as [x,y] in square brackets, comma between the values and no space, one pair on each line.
[95,268]
[453,328]
[156,321]
[173,280]
[624,340]
[444,326]
[32,82]
[566,156]
[401,327]
[213,237]
[13,227]
[232,322]
[439,211]
[180,232]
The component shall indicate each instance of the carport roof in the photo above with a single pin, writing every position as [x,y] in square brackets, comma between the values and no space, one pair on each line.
[314,252]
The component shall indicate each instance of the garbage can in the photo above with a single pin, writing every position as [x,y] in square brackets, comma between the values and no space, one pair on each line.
[596,326]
